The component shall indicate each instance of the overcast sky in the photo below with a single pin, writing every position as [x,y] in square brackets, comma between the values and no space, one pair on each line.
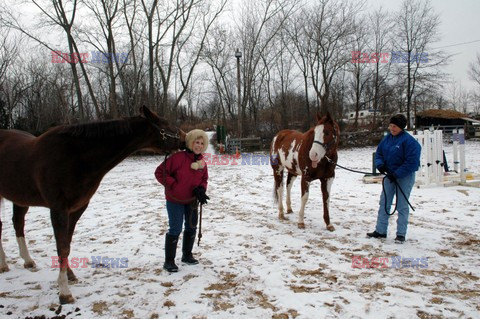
[460,33]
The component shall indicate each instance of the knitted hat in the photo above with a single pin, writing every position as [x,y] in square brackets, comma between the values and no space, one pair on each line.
[399,120]
[192,137]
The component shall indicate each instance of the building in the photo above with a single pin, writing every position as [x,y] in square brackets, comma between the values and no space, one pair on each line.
[447,121]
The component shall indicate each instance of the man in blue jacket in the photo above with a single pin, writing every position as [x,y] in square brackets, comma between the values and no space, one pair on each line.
[397,156]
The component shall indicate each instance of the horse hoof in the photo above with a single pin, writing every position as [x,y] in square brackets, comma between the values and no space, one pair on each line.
[330,228]
[29,265]
[289,211]
[282,217]
[301,225]
[3,269]
[65,299]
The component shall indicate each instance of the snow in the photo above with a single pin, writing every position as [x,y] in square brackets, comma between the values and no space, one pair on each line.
[252,265]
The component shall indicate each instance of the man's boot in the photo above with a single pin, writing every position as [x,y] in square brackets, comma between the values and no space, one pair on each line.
[170,252]
[188,241]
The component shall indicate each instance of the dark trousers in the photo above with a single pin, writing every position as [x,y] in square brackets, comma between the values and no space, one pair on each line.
[179,214]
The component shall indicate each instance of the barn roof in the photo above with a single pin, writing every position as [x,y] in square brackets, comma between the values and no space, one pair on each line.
[445,114]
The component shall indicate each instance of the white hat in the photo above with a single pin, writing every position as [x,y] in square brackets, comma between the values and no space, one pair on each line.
[192,137]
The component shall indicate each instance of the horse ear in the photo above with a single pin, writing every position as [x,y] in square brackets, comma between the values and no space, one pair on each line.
[319,117]
[145,111]
[329,117]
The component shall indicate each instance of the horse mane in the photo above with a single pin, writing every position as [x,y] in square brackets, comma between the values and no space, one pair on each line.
[97,129]
[309,136]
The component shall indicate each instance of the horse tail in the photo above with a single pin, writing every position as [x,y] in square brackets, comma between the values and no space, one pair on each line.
[274,162]
[1,213]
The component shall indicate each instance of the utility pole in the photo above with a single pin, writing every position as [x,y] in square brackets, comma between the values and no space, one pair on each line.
[238,55]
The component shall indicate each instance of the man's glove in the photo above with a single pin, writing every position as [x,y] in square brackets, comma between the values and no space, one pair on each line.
[391,177]
[382,169]
[199,193]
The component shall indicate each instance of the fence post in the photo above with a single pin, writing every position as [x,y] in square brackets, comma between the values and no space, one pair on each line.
[455,150]
[461,148]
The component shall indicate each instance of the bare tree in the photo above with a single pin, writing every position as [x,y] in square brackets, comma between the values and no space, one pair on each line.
[260,23]
[190,33]
[474,73]
[177,31]
[331,28]
[474,70]
[382,26]
[56,13]
[9,50]
[360,65]
[107,13]
[416,27]
[149,10]
[299,48]
[218,56]
[132,78]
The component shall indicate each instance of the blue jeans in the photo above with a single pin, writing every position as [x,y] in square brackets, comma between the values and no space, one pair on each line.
[406,184]
[177,215]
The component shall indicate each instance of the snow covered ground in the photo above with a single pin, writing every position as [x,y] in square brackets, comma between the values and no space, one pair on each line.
[253,265]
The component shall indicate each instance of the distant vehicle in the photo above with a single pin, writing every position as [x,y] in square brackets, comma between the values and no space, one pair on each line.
[364,117]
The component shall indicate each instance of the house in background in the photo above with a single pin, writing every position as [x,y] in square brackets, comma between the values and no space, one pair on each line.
[447,120]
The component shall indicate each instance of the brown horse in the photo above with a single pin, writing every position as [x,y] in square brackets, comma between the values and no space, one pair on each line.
[312,155]
[62,168]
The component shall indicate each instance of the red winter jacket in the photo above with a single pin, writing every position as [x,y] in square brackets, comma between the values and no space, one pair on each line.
[179,178]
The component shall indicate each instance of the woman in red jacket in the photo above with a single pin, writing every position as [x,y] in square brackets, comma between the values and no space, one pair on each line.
[184,176]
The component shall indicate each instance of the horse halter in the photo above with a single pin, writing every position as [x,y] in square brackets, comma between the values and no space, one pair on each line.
[327,145]
[165,134]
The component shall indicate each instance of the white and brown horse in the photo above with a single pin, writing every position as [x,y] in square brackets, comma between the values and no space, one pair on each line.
[312,155]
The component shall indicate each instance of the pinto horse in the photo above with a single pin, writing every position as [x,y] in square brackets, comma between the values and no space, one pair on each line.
[312,155]
[62,168]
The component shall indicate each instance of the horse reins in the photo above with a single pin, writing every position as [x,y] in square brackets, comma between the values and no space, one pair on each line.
[397,186]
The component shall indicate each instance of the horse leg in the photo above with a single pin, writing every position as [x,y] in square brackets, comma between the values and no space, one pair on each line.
[18,219]
[3,261]
[326,184]
[301,213]
[290,179]
[60,223]
[72,222]
[278,175]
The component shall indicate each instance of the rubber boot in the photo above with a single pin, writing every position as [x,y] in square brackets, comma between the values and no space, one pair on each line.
[170,252]
[188,241]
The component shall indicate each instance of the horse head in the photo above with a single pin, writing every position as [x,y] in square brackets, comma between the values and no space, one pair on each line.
[325,138]
[167,136]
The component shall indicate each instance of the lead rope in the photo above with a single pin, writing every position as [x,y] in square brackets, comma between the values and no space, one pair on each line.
[200,225]
[397,186]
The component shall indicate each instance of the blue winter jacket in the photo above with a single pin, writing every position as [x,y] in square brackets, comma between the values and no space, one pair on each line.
[400,154]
